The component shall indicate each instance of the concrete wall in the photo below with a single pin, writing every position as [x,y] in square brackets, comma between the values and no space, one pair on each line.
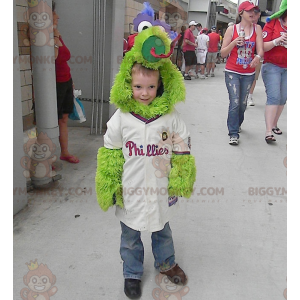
[19,181]
[199,11]
[25,67]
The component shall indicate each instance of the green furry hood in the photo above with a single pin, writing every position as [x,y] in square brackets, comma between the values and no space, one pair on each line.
[172,80]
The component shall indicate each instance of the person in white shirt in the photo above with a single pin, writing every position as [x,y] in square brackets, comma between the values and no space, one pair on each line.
[202,46]
[145,164]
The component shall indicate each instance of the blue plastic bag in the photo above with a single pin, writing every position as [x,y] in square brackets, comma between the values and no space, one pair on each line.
[78,113]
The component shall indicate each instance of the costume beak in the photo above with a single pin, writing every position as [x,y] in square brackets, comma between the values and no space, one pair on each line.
[152,52]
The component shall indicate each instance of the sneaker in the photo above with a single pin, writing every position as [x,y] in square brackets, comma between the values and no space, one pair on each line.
[176,275]
[233,140]
[202,77]
[212,75]
[196,76]
[251,102]
[132,288]
[187,77]
[206,75]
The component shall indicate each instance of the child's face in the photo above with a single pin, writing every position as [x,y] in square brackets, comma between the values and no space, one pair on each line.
[144,87]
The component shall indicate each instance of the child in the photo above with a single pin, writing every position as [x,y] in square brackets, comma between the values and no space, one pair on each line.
[145,163]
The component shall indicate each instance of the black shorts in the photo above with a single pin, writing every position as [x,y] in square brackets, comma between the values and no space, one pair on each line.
[65,102]
[190,58]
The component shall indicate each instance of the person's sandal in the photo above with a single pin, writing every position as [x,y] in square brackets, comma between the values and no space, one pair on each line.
[276,130]
[175,275]
[270,139]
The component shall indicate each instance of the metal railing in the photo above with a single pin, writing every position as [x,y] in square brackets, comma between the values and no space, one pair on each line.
[99,19]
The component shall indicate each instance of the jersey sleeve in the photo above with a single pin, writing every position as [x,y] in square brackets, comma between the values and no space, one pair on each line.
[113,135]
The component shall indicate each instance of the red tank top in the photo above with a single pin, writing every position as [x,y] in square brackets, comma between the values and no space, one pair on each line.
[240,57]
[62,68]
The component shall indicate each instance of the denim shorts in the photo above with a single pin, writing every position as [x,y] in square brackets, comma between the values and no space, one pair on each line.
[275,80]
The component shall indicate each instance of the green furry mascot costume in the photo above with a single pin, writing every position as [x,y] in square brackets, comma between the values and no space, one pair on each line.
[166,157]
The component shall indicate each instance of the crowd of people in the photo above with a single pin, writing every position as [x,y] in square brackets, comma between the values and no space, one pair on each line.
[201,52]
[250,47]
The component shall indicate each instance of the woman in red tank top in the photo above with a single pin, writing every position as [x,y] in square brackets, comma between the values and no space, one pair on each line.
[274,69]
[64,89]
[239,44]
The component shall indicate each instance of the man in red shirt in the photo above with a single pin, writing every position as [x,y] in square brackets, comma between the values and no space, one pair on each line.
[214,40]
[189,49]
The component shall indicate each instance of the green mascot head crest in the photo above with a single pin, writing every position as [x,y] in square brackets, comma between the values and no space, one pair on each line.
[152,49]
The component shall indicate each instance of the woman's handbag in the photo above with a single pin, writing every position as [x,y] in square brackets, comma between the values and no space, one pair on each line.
[78,113]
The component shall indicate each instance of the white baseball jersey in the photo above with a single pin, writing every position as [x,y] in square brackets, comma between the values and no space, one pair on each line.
[202,40]
[147,147]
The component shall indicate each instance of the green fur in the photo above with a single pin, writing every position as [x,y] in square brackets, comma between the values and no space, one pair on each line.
[109,177]
[182,175]
[174,88]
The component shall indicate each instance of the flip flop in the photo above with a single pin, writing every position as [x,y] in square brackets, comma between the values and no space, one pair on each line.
[270,139]
[276,130]
[71,159]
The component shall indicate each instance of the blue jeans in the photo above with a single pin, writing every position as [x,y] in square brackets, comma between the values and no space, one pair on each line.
[132,250]
[238,87]
[275,80]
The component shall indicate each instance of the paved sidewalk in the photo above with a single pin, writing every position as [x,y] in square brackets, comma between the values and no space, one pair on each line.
[230,236]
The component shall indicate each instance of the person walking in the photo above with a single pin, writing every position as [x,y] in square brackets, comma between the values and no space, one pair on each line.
[239,43]
[274,69]
[212,52]
[202,46]
[188,48]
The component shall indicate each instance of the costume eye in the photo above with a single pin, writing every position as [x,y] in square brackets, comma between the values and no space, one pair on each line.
[34,148]
[34,280]
[44,148]
[144,25]
[167,17]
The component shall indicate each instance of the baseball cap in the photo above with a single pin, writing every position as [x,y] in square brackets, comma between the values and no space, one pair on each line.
[205,29]
[246,5]
[213,28]
[192,23]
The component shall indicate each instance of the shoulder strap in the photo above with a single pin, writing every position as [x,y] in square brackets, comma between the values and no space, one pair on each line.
[234,28]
